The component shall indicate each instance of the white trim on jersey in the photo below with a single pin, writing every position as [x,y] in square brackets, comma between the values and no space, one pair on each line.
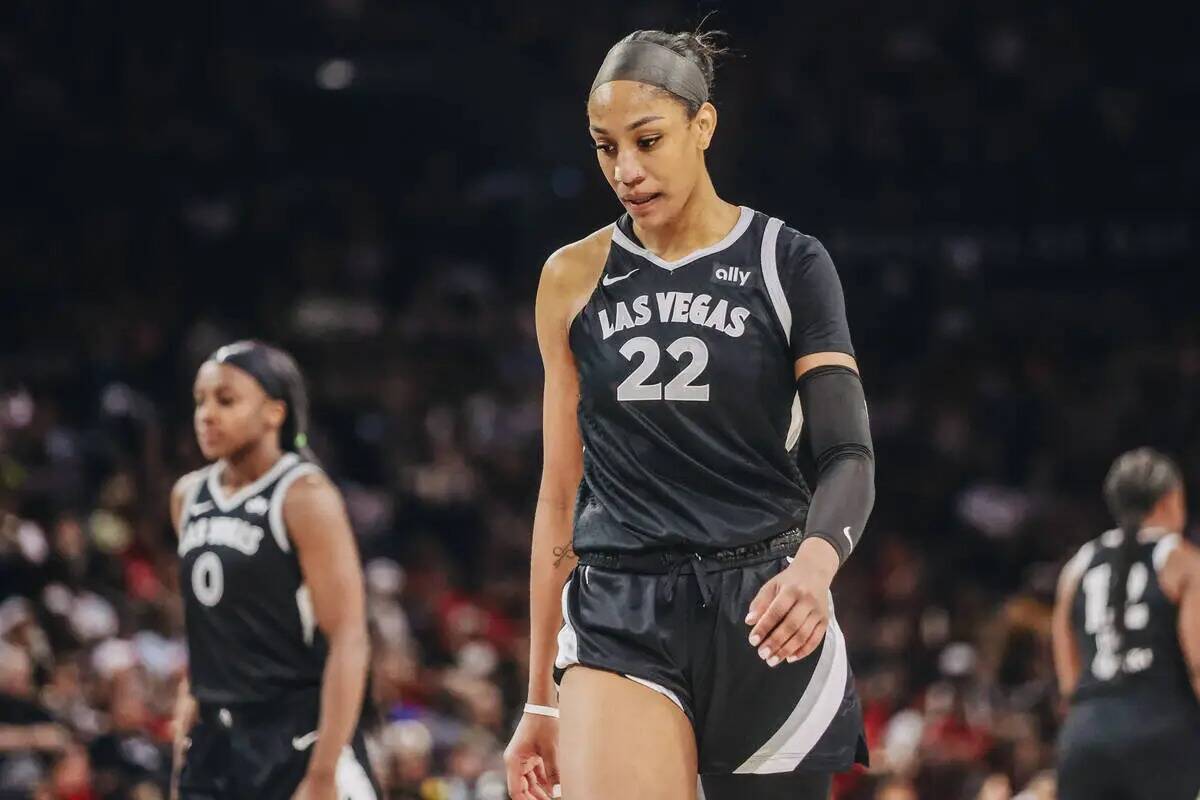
[308,616]
[819,704]
[275,514]
[1162,551]
[621,240]
[783,312]
[189,499]
[246,492]
[770,271]
[1074,569]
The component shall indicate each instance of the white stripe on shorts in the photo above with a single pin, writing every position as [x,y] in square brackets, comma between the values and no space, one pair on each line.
[350,778]
[568,642]
[809,720]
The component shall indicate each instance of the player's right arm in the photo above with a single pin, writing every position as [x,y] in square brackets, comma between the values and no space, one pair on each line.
[185,704]
[1179,577]
[567,281]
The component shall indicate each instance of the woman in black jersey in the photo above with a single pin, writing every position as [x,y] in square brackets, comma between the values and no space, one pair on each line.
[273,595]
[1127,645]
[708,467]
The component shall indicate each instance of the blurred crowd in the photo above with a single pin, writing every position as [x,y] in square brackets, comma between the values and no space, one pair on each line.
[374,185]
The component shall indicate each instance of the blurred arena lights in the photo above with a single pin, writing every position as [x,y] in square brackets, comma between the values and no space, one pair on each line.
[335,74]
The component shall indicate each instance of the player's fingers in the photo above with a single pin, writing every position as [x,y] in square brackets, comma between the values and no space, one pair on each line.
[783,602]
[516,769]
[541,775]
[516,785]
[799,617]
[811,643]
[761,601]
[536,789]
[550,764]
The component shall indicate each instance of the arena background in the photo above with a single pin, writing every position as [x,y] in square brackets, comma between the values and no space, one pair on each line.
[1005,188]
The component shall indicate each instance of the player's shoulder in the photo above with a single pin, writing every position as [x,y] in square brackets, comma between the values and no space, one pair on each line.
[1172,548]
[798,252]
[306,484]
[570,274]
[1079,562]
[580,261]
[187,483]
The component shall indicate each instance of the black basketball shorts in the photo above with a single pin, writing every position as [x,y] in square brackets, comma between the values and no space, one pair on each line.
[261,752]
[1126,749]
[683,634]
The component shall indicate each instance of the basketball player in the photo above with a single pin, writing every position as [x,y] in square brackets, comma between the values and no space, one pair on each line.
[696,352]
[1127,645]
[273,595]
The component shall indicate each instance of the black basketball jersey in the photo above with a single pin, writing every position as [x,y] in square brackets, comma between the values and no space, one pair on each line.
[251,631]
[688,408]
[1148,663]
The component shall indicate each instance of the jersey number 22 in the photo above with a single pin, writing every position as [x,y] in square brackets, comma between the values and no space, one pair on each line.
[681,387]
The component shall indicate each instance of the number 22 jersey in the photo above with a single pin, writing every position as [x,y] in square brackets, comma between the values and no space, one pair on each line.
[688,409]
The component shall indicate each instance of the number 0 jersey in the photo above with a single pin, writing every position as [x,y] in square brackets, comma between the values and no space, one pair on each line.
[1149,662]
[250,627]
[688,408]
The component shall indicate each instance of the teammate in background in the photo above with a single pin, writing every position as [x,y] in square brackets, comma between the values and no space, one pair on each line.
[1127,645]
[696,354]
[273,594]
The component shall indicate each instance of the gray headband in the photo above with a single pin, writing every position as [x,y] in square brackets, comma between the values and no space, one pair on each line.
[254,361]
[648,62]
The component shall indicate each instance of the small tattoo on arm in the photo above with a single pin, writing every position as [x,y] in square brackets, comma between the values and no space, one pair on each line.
[563,552]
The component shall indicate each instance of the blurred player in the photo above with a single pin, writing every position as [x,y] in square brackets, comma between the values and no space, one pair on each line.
[1127,645]
[273,594]
[686,348]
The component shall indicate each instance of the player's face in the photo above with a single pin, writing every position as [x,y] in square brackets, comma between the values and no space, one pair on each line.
[232,410]
[649,151]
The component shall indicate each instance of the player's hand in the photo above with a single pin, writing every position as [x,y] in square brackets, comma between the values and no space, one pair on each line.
[531,759]
[316,786]
[790,613]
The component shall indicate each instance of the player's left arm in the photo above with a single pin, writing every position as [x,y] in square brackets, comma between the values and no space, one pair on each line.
[790,614]
[320,531]
[1067,664]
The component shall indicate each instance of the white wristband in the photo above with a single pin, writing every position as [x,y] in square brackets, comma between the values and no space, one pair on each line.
[541,711]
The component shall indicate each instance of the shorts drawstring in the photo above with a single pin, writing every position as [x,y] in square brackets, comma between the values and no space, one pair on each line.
[702,579]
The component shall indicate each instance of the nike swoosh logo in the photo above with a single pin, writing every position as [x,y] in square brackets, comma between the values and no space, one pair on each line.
[849,538]
[304,742]
[200,508]
[609,280]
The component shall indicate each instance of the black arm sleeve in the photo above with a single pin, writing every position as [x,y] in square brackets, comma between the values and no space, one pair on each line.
[835,414]
[814,296]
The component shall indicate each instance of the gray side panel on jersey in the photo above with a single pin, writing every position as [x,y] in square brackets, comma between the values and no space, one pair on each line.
[811,717]
[275,515]
[770,271]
